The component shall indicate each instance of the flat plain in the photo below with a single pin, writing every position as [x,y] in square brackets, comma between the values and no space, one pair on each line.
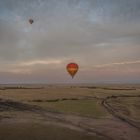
[70,112]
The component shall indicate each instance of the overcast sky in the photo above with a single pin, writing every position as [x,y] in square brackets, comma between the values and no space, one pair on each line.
[101,36]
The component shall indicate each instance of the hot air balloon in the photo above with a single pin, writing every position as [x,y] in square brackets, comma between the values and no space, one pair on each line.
[72,69]
[31,21]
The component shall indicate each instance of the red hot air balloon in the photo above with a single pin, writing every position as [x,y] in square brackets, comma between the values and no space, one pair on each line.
[31,21]
[72,69]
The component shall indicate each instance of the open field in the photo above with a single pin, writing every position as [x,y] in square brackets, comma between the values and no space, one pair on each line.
[77,112]
[83,107]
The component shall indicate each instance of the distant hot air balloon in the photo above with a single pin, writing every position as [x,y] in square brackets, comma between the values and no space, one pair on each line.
[31,21]
[72,69]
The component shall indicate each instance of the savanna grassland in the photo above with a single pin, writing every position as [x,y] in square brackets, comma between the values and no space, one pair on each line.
[72,112]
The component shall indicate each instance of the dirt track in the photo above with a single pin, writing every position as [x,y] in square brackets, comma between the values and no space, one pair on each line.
[115,114]
[111,129]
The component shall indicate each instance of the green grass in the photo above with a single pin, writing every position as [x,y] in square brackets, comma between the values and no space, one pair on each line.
[91,108]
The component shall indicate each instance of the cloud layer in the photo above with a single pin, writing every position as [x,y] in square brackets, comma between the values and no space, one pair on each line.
[99,35]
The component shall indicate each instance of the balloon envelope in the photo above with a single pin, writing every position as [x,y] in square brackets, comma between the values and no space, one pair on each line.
[31,21]
[72,69]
